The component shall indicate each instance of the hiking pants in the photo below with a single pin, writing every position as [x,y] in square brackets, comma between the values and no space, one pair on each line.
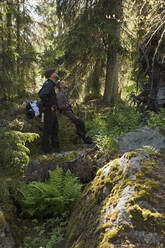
[50,130]
[80,126]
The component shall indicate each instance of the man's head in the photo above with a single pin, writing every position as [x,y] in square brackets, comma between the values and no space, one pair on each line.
[51,74]
[62,85]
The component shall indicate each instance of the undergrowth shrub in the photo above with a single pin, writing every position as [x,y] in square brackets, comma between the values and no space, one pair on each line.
[14,155]
[157,119]
[46,234]
[106,127]
[54,197]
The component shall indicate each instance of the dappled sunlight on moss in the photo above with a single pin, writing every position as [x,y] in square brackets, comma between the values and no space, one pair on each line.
[67,156]
[146,220]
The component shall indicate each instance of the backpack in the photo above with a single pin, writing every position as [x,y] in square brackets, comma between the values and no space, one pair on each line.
[34,109]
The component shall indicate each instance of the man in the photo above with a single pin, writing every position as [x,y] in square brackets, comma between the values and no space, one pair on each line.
[48,97]
[65,108]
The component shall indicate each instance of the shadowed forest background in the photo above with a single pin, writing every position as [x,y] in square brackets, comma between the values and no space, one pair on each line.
[112,55]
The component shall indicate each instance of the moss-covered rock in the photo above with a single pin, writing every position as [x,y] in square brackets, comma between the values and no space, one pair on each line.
[78,162]
[123,205]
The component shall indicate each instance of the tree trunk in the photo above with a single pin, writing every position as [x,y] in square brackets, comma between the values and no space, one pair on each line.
[112,67]
[9,24]
[93,83]
[97,73]
[18,37]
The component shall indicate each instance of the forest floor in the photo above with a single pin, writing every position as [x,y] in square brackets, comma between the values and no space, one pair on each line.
[103,124]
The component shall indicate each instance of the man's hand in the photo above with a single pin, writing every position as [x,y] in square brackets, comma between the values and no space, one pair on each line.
[71,102]
[53,108]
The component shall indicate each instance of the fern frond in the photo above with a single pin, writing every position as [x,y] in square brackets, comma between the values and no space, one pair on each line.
[53,197]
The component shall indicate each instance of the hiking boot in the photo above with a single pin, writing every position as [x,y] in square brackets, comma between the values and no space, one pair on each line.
[88,140]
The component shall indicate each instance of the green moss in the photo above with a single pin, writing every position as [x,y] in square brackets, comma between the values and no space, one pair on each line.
[98,184]
[115,165]
[150,162]
[58,157]
[102,227]
[131,155]
[99,172]
[109,236]
[114,215]
[108,183]
[73,230]
[112,235]
[120,182]
[136,216]
[2,220]
[147,172]
[144,188]
[144,219]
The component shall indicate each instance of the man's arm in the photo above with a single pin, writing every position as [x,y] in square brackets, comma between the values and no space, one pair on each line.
[44,94]
[62,102]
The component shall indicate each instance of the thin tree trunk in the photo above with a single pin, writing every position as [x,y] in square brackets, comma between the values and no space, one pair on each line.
[111,81]
[24,37]
[2,43]
[9,24]
[18,37]
[96,77]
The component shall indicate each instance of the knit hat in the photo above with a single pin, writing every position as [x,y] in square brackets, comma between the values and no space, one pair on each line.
[49,72]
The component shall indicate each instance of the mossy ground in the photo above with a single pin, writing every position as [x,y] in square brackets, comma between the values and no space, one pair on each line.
[13,118]
[114,183]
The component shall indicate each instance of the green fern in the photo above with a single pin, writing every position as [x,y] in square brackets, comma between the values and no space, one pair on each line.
[56,178]
[53,197]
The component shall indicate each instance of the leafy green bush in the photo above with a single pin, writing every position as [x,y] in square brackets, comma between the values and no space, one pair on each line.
[157,119]
[106,127]
[106,144]
[115,123]
[13,152]
[53,197]
[45,234]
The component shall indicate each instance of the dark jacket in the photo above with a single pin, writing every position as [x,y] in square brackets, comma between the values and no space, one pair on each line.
[62,101]
[48,94]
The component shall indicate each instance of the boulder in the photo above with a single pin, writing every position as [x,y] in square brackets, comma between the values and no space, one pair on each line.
[6,239]
[123,206]
[75,161]
[141,137]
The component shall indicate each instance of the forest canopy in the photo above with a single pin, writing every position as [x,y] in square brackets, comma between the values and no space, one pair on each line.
[103,48]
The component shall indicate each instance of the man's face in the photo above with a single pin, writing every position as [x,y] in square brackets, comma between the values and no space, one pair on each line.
[54,75]
[63,85]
